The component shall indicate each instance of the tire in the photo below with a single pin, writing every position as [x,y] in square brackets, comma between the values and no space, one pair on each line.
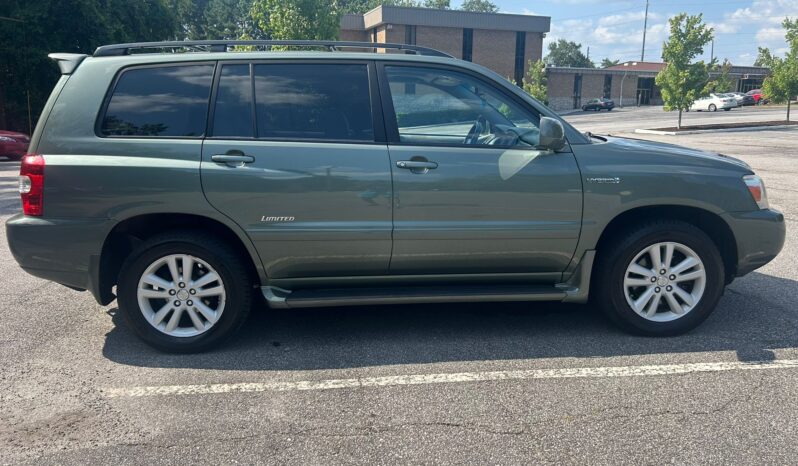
[712,108]
[208,255]
[612,270]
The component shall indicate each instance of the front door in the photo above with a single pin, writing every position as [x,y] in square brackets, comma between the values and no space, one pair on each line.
[299,166]
[469,195]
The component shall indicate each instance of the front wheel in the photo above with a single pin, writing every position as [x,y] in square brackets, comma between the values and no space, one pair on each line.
[712,108]
[184,292]
[663,278]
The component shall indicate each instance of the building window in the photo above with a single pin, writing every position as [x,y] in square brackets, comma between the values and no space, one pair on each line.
[468,44]
[577,91]
[607,85]
[520,44]
[410,35]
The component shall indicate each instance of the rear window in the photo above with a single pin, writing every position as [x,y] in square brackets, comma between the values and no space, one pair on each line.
[165,101]
[313,101]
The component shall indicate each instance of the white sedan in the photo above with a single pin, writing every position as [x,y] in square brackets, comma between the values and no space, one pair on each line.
[713,102]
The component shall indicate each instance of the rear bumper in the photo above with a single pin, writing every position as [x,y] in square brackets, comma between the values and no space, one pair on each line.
[65,251]
[759,235]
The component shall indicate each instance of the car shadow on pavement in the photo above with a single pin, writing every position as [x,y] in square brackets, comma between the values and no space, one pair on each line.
[757,315]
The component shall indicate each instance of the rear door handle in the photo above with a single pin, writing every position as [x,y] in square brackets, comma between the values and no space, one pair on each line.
[232,158]
[416,164]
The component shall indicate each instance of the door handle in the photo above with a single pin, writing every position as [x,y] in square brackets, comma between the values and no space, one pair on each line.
[233,158]
[417,165]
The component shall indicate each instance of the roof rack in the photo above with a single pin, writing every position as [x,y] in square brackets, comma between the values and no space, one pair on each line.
[224,45]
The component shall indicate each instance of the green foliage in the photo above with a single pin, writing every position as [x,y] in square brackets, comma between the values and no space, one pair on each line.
[484,6]
[439,4]
[681,81]
[606,63]
[782,83]
[535,81]
[723,81]
[77,26]
[763,57]
[565,53]
[297,19]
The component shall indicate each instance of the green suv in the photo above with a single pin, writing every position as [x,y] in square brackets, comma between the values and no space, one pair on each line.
[186,184]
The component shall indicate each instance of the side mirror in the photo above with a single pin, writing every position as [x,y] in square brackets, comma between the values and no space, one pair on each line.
[552,134]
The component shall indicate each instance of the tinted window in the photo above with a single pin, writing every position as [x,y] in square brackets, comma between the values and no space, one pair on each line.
[162,101]
[446,107]
[305,101]
[232,115]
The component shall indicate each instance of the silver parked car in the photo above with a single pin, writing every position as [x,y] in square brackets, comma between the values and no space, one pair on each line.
[713,102]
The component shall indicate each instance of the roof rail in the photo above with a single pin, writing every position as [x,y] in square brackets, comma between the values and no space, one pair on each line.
[223,45]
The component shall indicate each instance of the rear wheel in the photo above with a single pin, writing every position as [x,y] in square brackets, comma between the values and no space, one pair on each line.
[184,292]
[662,278]
[712,108]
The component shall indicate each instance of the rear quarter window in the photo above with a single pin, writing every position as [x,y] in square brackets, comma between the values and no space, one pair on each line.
[163,101]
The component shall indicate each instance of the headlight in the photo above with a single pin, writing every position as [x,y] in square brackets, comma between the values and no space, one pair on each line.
[7,139]
[757,189]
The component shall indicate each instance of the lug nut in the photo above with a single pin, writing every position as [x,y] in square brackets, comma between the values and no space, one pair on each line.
[172,292]
[189,303]
[177,303]
[182,285]
[672,277]
[657,289]
[669,288]
[653,279]
[662,272]
[192,291]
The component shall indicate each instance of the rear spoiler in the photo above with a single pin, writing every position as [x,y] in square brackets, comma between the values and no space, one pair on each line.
[67,62]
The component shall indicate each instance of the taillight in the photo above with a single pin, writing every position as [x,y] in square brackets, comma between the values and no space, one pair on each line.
[31,185]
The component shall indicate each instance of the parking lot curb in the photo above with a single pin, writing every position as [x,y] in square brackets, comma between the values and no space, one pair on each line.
[722,130]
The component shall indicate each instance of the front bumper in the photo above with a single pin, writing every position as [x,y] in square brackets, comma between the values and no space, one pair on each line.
[65,251]
[759,235]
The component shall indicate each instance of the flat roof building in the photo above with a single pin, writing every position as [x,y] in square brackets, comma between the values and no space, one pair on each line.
[502,42]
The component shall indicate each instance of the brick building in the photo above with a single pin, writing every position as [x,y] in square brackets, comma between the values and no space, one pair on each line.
[502,42]
[630,83]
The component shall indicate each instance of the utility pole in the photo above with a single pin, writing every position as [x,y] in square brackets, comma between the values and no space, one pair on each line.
[645,26]
[712,52]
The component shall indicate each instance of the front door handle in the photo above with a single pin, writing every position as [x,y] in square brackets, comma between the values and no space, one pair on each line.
[233,158]
[417,166]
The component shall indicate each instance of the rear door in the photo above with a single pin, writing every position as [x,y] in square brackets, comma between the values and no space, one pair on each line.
[296,156]
[470,197]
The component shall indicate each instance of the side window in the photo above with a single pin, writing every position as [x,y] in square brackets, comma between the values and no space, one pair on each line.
[159,101]
[232,115]
[313,101]
[434,106]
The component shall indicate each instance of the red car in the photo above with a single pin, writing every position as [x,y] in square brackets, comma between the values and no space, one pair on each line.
[759,98]
[13,145]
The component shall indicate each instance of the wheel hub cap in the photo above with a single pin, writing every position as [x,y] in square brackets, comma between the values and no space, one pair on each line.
[664,281]
[181,295]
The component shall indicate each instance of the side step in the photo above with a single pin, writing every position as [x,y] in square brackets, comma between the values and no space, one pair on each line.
[286,299]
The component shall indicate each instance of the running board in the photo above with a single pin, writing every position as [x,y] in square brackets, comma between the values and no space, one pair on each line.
[286,299]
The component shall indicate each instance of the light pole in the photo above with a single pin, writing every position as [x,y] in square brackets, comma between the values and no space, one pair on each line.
[645,26]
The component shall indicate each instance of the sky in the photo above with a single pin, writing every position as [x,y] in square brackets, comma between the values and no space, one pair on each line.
[614,28]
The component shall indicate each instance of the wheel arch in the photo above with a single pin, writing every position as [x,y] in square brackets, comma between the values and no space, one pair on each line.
[127,234]
[712,224]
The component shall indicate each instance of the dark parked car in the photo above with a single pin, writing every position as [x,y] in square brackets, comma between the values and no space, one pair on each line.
[13,145]
[339,179]
[743,99]
[599,104]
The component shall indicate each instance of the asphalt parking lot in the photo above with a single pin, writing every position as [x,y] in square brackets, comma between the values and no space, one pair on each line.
[482,383]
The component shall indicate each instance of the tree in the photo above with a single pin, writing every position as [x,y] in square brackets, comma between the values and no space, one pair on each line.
[439,4]
[723,81]
[535,81]
[484,6]
[782,83]
[606,63]
[763,57]
[297,19]
[565,53]
[681,81]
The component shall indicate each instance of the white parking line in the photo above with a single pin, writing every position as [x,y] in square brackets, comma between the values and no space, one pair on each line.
[422,379]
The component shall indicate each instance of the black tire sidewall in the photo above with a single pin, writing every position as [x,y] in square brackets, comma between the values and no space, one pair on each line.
[237,299]
[615,299]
